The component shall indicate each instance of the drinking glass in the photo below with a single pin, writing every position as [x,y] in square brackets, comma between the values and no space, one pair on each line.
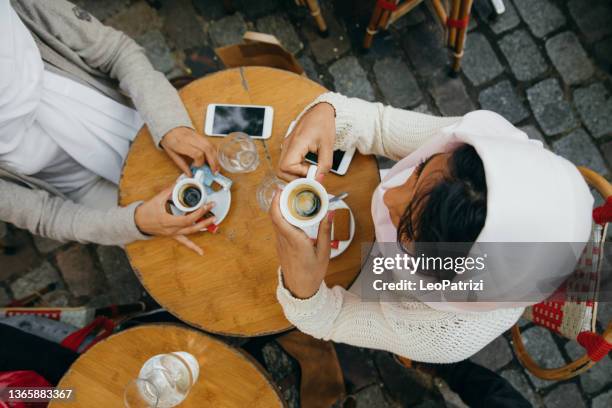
[164,382]
[238,153]
[266,190]
[141,393]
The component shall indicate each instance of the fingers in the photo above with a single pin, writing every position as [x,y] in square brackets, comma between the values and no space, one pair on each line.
[275,212]
[180,162]
[292,164]
[196,154]
[293,171]
[293,160]
[326,157]
[195,216]
[289,176]
[189,244]
[209,151]
[324,237]
[211,159]
[189,143]
[165,194]
[177,223]
[197,227]
[280,224]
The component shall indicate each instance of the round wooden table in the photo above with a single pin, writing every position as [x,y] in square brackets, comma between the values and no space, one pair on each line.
[228,377]
[231,289]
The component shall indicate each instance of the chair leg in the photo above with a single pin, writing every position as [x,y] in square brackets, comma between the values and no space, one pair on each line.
[464,16]
[454,15]
[372,28]
[380,18]
[315,12]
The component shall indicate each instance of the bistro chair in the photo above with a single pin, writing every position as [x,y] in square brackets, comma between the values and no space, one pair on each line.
[455,18]
[573,316]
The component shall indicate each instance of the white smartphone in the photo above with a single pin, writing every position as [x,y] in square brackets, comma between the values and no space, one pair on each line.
[254,120]
[340,162]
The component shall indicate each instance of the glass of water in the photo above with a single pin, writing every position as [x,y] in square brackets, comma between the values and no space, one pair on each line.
[238,153]
[267,189]
[164,381]
[141,393]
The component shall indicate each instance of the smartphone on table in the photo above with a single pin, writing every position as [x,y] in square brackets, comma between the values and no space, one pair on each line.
[254,120]
[340,162]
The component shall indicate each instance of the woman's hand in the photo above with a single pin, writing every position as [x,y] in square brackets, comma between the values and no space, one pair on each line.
[184,141]
[316,133]
[152,218]
[303,264]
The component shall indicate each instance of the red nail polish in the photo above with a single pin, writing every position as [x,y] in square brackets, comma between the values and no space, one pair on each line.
[320,177]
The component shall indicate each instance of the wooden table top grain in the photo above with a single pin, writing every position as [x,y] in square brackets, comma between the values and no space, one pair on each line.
[231,289]
[228,377]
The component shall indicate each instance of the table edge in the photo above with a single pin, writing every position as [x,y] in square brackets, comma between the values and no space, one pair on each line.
[237,351]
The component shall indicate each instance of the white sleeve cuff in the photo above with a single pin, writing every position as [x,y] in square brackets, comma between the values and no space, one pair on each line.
[298,309]
[344,120]
[127,223]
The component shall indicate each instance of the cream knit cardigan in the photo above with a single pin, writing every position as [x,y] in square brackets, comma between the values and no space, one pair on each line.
[410,329]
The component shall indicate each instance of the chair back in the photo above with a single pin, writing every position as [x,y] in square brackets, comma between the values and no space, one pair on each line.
[572,309]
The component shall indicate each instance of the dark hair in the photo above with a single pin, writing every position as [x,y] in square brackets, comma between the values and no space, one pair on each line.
[454,210]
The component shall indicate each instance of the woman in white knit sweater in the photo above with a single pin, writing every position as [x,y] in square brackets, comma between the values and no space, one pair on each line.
[510,207]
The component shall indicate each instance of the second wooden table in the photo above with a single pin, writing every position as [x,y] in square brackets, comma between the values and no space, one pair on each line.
[228,377]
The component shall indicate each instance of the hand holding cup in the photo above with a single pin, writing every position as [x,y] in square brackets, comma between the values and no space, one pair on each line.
[303,264]
[152,217]
[304,201]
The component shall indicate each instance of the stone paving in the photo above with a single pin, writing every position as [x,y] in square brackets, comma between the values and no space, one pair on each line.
[546,65]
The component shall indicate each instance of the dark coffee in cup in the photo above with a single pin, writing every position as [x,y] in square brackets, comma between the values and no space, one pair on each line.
[304,202]
[190,195]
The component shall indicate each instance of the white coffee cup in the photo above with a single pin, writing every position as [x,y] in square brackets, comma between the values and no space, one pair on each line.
[316,199]
[189,193]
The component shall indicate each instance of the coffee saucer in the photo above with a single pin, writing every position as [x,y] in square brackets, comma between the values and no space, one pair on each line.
[222,199]
[313,230]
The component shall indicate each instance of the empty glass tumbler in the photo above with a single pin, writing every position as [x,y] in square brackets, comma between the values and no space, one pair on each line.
[238,153]
[266,190]
[164,381]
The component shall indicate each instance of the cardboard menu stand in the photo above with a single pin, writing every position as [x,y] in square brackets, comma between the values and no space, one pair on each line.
[259,49]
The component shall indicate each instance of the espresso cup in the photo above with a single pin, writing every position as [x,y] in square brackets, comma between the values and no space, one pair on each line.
[189,193]
[304,202]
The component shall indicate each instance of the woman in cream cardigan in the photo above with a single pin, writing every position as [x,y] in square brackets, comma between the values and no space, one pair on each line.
[474,178]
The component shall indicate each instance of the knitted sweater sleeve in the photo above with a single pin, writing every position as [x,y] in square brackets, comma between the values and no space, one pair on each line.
[374,128]
[409,329]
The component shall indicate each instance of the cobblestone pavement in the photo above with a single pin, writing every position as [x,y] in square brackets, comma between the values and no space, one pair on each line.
[545,65]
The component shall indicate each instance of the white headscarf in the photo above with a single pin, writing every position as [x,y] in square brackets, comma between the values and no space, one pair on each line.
[533,196]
